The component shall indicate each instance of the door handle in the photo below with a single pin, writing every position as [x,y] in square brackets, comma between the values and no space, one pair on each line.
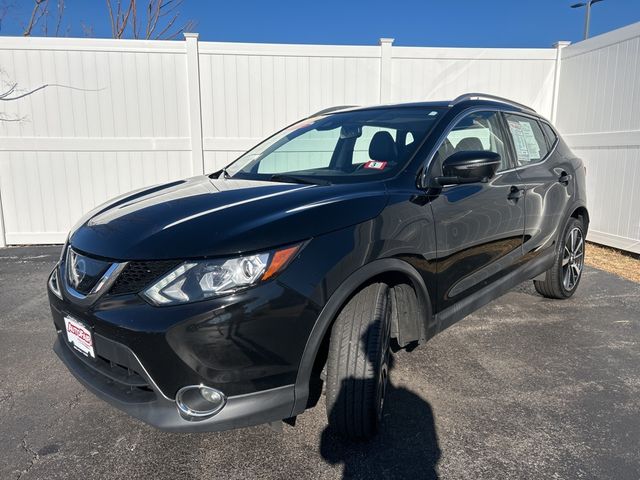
[515,193]
[564,179]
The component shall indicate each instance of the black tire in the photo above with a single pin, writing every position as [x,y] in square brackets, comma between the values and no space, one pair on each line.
[358,364]
[555,284]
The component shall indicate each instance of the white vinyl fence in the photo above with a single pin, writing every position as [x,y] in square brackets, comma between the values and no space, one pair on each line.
[599,116]
[121,114]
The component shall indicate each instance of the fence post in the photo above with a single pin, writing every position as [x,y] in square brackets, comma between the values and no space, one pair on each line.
[195,108]
[556,78]
[3,240]
[385,69]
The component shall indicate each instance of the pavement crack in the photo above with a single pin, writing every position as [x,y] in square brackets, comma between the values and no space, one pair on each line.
[34,456]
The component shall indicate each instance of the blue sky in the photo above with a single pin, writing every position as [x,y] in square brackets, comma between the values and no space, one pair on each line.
[455,23]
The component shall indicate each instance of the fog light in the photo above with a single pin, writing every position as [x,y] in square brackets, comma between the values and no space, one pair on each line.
[197,402]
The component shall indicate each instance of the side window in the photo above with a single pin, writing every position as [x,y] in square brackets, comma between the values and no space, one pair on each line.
[361,147]
[476,131]
[550,134]
[528,139]
[310,150]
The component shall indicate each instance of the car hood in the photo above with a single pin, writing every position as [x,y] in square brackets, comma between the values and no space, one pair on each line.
[202,217]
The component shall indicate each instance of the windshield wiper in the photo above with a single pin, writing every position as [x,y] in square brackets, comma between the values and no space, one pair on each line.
[280,177]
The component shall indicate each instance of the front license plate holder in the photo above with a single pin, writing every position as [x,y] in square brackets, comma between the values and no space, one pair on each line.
[79,336]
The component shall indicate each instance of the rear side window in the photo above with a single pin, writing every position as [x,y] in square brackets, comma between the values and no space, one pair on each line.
[551,135]
[528,139]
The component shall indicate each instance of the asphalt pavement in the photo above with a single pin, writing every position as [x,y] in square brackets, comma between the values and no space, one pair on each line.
[526,388]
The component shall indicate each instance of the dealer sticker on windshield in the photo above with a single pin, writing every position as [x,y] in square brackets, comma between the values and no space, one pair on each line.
[375,165]
[79,336]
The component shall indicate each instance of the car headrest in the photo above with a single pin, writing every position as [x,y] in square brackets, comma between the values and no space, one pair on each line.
[383,147]
[469,143]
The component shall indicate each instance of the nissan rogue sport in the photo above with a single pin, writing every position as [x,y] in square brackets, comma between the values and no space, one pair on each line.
[237,298]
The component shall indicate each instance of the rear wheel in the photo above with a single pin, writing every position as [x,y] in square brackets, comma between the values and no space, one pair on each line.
[358,364]
[561,280]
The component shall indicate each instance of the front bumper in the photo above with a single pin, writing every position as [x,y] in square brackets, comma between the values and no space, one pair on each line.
[247,345]
[150,406]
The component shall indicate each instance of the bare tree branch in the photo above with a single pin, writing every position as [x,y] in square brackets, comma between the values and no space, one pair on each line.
[152,18]
[125,18]
[4,97]
[59,16]
[119,18]
[190,26]
[134,22]
[87,30]
[168,26]
[9,91]
[40,15]
[158,19]
[110,10]
[39,8]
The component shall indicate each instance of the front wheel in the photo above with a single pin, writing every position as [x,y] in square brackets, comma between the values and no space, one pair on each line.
[358,363]
[561,280]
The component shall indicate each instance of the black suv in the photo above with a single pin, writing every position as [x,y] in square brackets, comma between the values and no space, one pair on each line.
[232,299]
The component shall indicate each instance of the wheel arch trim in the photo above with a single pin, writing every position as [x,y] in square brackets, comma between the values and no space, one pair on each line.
[582,208]
[571,212]
[337,300]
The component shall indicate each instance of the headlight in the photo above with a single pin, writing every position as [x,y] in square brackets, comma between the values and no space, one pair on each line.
[197,280]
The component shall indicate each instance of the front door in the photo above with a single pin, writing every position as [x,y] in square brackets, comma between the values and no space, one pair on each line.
[479,226]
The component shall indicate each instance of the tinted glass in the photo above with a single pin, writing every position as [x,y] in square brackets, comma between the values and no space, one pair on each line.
[528,139]
[476,131]
[343,147]
[361,147]
[311,150]
[551,135]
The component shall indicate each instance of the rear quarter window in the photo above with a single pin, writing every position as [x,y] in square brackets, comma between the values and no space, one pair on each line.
[552,138]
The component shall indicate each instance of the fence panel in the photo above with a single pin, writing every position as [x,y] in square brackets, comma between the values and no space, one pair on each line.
[112,118]
[122,114]
[250,91]
[599,116]
[523,75]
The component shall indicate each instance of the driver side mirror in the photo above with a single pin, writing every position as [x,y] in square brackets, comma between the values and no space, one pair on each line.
[469,166]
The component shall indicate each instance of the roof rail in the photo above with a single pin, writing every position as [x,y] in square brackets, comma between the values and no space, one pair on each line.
[479,96]
[331,109]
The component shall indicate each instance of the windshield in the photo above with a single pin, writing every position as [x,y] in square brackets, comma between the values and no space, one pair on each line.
[340,147]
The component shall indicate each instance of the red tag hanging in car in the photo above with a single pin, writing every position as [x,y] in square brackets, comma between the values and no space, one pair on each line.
[374,164]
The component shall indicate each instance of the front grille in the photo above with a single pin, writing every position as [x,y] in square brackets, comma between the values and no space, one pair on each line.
[83,272]
[137,275]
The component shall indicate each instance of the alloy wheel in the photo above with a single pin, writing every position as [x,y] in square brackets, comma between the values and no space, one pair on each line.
[572,259]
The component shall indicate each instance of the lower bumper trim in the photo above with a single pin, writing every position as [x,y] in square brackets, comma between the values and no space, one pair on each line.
[240,411]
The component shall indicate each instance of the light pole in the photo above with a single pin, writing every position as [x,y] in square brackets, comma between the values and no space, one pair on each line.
[587,17]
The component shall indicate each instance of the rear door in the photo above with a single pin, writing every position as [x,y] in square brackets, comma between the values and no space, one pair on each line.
[546,177]
[479,226]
